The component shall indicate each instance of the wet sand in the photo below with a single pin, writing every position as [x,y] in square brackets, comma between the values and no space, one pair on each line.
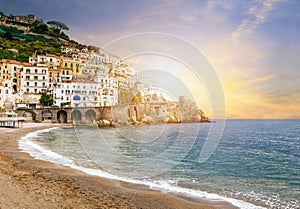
[29,183]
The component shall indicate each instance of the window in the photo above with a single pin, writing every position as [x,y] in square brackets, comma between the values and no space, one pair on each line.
[35,71]
[15,68]
[66,64]
[50,74]
[27,90]
[35,77]
[27,71]
[35,90]
[6,85]
[27,84]
[71,65]
[35,83]
[27,77]
[44,77]
[44,84]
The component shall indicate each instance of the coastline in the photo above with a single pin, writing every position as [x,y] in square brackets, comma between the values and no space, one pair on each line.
[32,183]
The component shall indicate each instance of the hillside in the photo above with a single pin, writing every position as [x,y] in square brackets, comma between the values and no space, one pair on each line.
[18,44]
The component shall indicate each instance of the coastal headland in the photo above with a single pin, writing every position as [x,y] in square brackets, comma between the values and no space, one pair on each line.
[30,183]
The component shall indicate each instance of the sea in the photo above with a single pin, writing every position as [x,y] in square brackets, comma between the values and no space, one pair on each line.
[253,163]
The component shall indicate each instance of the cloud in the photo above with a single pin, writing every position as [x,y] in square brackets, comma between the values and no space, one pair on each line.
[252,101]
[256,15]
[259,79]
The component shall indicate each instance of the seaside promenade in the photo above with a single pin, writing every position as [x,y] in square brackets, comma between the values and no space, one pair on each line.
[10,120]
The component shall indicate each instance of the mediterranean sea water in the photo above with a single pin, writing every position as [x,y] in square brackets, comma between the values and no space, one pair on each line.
[256,163]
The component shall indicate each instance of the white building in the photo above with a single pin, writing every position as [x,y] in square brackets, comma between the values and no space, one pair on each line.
[84,94]
[76,94]
[35,79]
[69,50]
[107,92]
[49,60]
[34,82]
[62,94]
[10,81]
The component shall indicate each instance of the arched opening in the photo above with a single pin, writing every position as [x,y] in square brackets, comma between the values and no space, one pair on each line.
[76,116]
[90,116]
[111,92]
[46,115]
[15,89]
[105,92]
[29,116]
[62,116]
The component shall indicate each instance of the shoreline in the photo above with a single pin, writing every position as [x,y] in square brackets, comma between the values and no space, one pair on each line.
[32,183]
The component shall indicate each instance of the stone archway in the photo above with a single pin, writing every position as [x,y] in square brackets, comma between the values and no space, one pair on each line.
[62,116]
[29,115]
[90,116]
[76,116]
[46,115]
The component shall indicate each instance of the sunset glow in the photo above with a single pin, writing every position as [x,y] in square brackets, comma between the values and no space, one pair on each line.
[252,45]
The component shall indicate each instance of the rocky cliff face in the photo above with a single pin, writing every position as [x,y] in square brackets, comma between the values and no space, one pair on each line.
[153,113]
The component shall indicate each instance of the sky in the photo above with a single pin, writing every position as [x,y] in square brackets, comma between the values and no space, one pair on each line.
[253,45]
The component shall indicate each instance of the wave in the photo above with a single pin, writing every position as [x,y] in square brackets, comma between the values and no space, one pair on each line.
[39,152]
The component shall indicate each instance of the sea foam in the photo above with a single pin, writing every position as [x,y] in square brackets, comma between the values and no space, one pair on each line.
[27,145]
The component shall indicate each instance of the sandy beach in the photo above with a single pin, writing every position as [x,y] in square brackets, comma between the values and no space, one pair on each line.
[30,183]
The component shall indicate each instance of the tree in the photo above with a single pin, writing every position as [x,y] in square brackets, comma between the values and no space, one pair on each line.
[1,15]
[57,26]
[46,99]
[39,28]
[8,35]
[6,54]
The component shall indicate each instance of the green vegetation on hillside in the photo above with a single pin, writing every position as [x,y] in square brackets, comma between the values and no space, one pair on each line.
[20,49]
[17,45]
